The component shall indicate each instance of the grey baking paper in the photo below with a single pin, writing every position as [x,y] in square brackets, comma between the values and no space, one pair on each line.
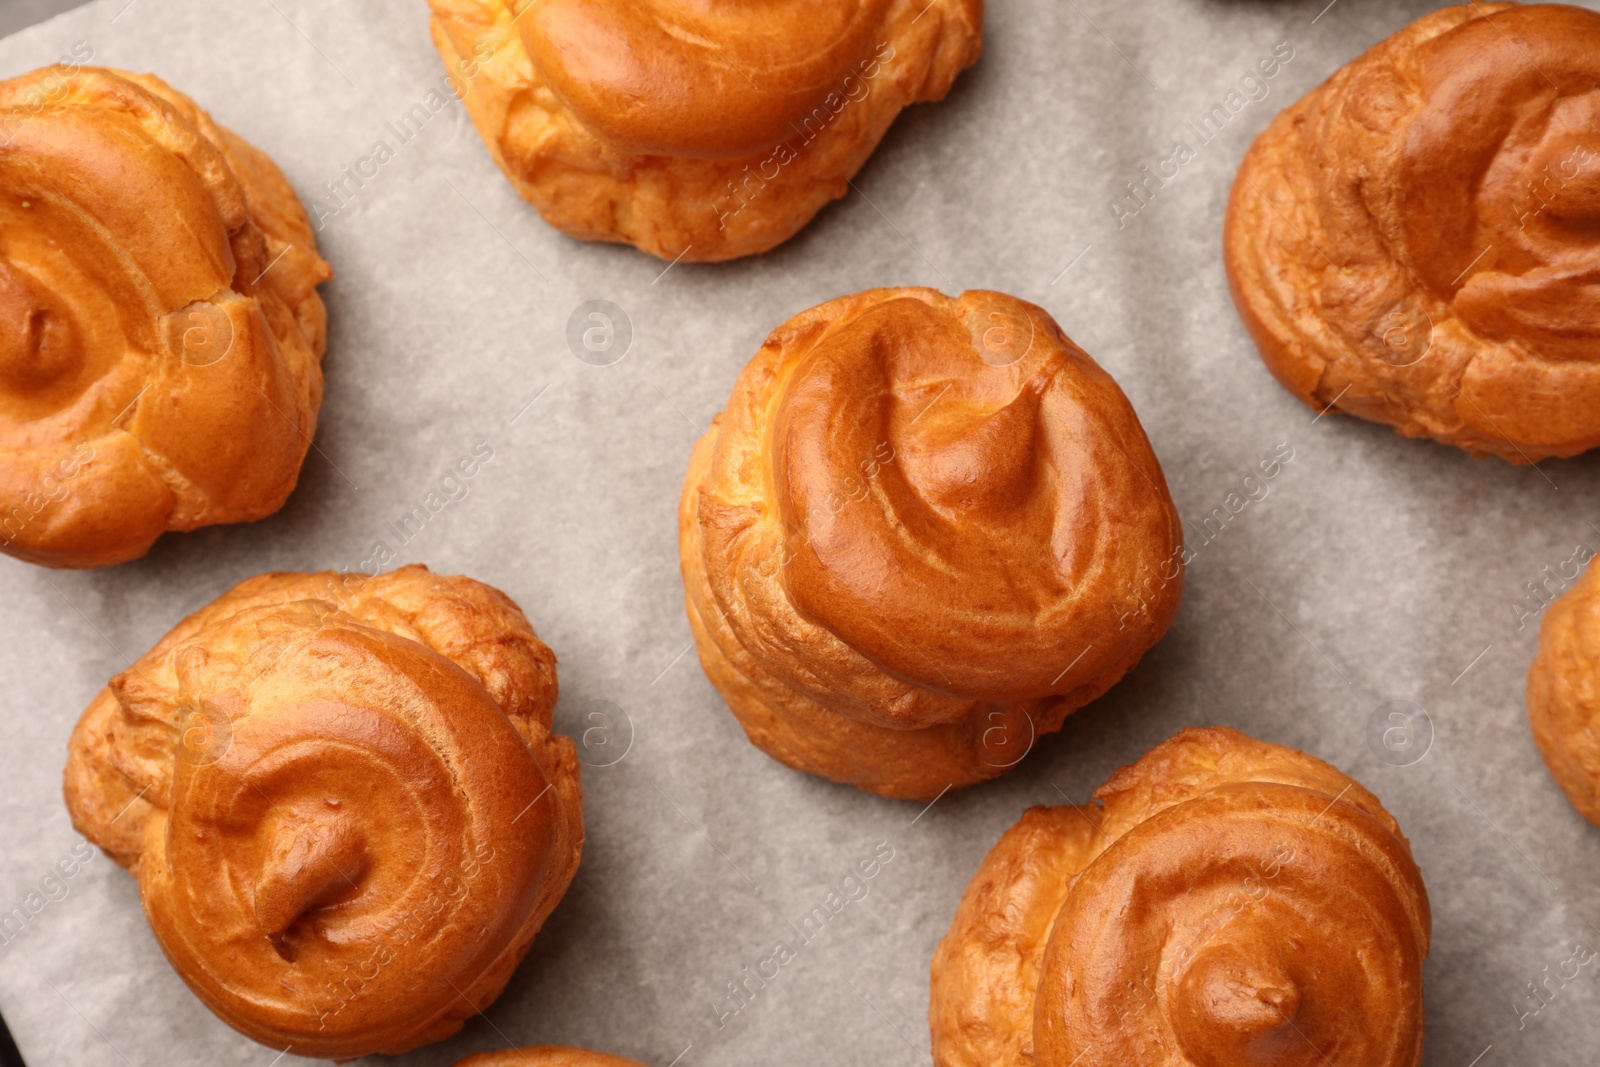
[1372,604]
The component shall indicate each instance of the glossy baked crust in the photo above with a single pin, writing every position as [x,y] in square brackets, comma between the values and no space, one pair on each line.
[161,335]
[547,1056]
[1223,903]
[1415,242]
[699,130]
[924,531]
[1564,694]
[342,801]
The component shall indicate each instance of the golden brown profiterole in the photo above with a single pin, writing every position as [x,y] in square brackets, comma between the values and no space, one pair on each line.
[342,801]
[1415,242]
[1224,902]
[1564,694]
[695,130]
[161,336]
[924,531]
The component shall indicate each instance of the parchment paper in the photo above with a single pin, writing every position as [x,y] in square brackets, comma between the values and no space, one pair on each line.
[1371,570]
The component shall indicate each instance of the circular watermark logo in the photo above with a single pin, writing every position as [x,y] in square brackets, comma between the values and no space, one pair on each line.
[1406,334]
[200,334]
[204,734]
[599,333]
[604,733]
[1399,732]
[1002,333]
[1005,736]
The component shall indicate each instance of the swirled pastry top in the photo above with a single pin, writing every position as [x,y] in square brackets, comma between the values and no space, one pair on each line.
[935,479]
[1228,903]
[160,330]
[932,518]
[342,801]
[1417,238]
[697,78]
[546,1056]
[1564,693]
[696,130]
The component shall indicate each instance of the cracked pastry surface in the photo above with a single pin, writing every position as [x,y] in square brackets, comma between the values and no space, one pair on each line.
[342,801]
[1564,694]
[1417,241]
[1224,902]
[924,531]
[161,335]
[700,130]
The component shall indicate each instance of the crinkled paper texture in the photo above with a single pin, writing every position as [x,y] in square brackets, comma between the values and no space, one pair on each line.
[1371,569]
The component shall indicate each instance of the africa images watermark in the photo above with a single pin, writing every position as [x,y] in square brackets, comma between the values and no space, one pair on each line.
[342,191]
[1553,581]
[1543,991]
[1252,891]
[51,90]
[408,928]
[55,488]
[853,887]
[1253,88]
[52,888]
[205,730]
[750,184]
[856,489]
[1001,337]
[452,488]
[1544,192]
[1144,590]
[1400,732]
